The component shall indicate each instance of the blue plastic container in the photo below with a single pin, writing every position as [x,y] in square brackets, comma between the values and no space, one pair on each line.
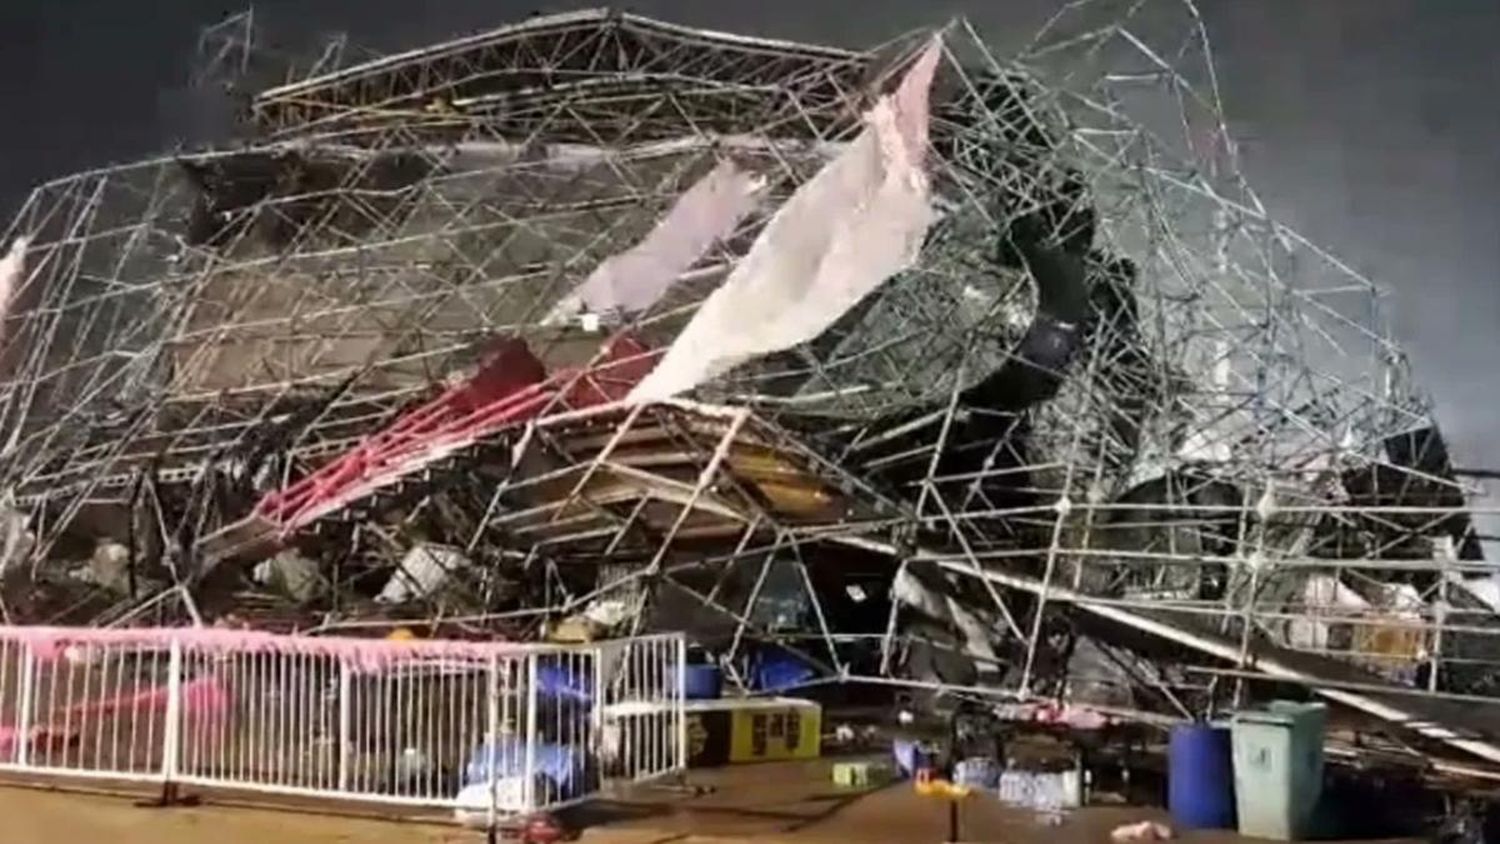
[909,756]
[557,681]
[702,681]
[506,758]
[1200,777]
[776,670]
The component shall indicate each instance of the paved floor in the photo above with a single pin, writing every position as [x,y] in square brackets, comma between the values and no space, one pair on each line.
[769,803]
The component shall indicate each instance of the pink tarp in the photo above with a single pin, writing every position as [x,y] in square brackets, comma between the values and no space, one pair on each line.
[205,696]
[206,703]
[859,221]
[50,643]
[41,738]
[633,280]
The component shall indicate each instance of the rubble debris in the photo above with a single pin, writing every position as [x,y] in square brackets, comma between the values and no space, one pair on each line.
[423,570]
[1043,775]
[293,575]
[574,630]
[1055,714]
[16,540]
[1143,831]
[861,775]
[1470,822]
[979,772]
[109,566]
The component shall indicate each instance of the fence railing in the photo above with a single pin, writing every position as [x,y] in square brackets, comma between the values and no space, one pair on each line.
[488,729]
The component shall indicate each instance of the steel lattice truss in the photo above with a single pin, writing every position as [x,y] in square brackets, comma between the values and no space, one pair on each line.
[1112,392]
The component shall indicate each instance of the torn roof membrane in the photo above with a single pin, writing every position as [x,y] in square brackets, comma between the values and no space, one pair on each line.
[857,222]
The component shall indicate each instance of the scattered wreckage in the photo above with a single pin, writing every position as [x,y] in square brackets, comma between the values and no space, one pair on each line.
[900,366]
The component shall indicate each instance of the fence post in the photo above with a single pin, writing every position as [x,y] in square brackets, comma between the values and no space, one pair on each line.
[489,748]
[597,748]
[172,735]
[24,717]
[679,703]
[346,718]
[529,785]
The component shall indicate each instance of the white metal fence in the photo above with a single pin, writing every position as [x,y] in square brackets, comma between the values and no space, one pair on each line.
[488,729]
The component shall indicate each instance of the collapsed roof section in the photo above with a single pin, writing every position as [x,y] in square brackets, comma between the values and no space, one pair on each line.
[593,77]
[1051,356]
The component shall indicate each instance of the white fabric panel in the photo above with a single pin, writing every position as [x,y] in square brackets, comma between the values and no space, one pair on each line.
[859,221]
[422,571]
[12,273]
[633,280]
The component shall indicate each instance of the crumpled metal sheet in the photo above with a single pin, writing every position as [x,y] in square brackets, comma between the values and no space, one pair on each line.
[859,221]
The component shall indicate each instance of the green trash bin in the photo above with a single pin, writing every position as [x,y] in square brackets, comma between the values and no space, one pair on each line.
[1278,768]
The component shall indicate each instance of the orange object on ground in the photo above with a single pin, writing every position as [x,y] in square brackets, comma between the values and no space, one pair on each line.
[929,785]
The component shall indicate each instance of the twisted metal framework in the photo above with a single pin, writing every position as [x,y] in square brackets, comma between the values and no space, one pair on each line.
[1114,392]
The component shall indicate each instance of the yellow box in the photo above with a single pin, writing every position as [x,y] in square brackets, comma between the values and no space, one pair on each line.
[736,730]
[1391,642]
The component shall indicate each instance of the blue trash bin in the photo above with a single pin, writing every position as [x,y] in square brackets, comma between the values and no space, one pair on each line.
[702,681]
[1200,777]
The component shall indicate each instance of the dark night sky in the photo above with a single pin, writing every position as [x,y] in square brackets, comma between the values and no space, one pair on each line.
[1370,125]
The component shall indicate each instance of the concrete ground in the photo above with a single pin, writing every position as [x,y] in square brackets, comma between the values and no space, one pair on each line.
[761,803]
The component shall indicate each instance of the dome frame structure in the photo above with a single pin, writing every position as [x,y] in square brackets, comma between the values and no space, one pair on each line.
[1111,394]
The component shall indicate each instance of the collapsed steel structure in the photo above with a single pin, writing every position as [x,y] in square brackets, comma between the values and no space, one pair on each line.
[1117,435]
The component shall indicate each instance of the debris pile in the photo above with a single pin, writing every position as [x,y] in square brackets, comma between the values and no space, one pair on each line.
[920,365]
